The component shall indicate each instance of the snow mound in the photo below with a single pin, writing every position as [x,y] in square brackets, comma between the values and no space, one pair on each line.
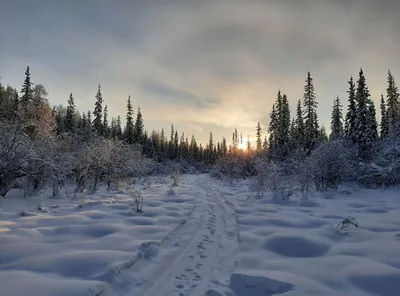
[376,278]
[148,250]
[295,245]
[244,285]
[24,283]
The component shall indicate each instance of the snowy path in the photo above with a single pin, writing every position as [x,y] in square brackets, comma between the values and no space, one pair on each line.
[195,258]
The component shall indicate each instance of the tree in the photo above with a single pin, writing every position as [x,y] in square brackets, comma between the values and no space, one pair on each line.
[311,128]
[98,113]
[336,121]
[105,122]
[70,121]
[351,115]
[129,128]
[26,91]
[384,131]
[139,128]
[299,128]
[366,132]
[258,141]
[393,110]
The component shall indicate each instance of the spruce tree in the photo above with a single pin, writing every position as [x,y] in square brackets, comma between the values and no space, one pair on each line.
[98,113]
[118,127]
[365,135]
[105,122]
[384,125]
[139,128]
[337,131]
[176,146]
[27,90]
[373,124]
[211,149]
[258,134]
[224,147]
[351,115]
[311,128]
[393,110]
[299,129]
[129,128]
[70,118]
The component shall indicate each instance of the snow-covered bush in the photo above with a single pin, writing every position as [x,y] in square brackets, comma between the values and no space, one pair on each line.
[304,175]
[106,160]
[231,167]
[258,183]
[385,170]
[175,178]
[331,164]
[280,180]
[23,162]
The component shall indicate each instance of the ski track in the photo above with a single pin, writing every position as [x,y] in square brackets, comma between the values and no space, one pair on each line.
[203,251]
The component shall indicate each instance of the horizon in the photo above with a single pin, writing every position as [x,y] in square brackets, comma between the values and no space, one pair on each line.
[201,67]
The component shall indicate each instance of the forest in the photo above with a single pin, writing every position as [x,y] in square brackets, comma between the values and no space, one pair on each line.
[44,146]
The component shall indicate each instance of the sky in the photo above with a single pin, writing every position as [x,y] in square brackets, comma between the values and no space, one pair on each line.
[204,66]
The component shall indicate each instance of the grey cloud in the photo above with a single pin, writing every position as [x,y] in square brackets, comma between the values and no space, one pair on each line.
[173,94]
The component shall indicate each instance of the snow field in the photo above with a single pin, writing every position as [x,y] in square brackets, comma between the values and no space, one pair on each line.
[75,247]
[201,238]
[292,249]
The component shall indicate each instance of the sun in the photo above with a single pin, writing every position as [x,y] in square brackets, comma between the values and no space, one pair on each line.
[243,145]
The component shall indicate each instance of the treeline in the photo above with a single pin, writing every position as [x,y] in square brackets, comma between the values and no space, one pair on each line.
[88,148]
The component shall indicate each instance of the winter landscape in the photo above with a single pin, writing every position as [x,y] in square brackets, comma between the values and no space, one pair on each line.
[254,150]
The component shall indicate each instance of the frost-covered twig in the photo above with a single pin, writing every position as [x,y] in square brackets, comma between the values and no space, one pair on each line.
[346,223]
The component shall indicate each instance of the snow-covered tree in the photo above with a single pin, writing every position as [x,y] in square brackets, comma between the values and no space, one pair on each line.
[384,126]
[393,107]
[139,128]
[336,121]
[351,115]
[311,127]
[366,132]
[98,113]
[70,120]
[331,164]
[129,131]
[258,134]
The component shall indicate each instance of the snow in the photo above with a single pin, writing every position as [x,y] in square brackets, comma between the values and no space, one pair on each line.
[203,237]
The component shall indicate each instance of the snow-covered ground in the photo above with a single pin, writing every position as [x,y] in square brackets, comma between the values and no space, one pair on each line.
[201,238]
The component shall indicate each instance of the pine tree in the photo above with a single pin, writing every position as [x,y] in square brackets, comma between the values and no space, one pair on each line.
[70,118]
[176,146]
[384,131]
[365,135]
[129,128]
[311,129]
[105,122]
[139,128]
[299,129]
[89,118]
[265,144]
[337,131]
[27,90]
[373,124]
[259,141]
[98,113]
[224,147]
[322,135]
[211,149]
[393,110]
[118,128]
[351,115]
[16,105]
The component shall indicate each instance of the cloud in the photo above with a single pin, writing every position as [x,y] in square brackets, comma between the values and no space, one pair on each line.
[200,64]
[175,96]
